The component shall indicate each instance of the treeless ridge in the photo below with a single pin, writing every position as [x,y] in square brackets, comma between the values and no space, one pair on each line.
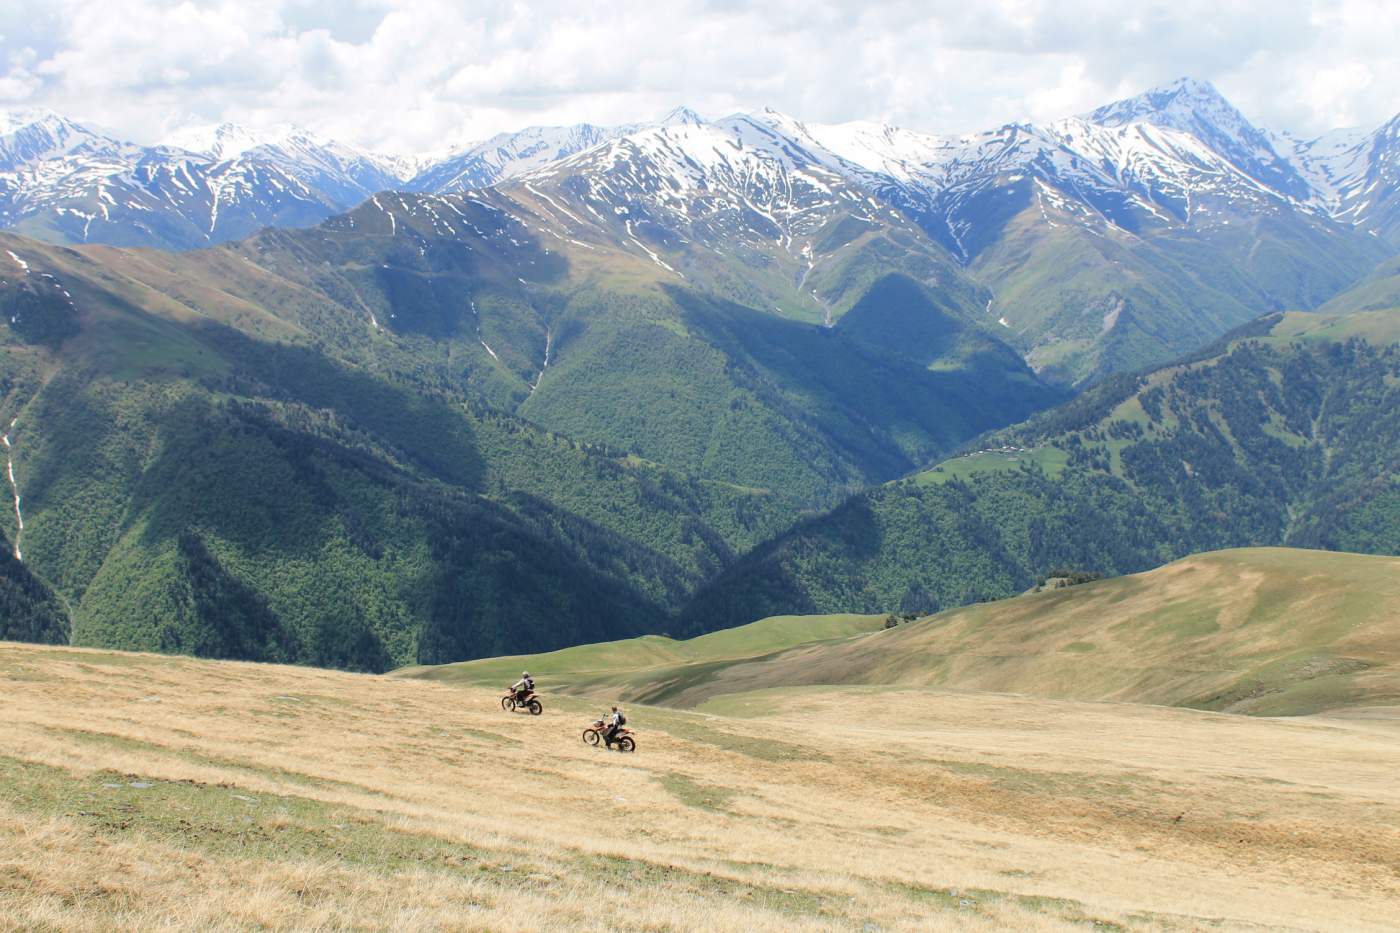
[1265,631]
[1256,630]
[141,790]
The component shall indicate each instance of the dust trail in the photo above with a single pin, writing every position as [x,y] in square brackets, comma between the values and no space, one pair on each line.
[14,487]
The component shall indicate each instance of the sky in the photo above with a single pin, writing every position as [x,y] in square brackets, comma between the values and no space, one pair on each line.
[419,75]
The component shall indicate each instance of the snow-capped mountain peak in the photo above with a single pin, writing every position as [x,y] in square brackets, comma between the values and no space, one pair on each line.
[1176,154]
[507,155]
[1195,107]
[12,121]
[681,115]
[29,137]
[1182,104]
[223,140]
[880,147]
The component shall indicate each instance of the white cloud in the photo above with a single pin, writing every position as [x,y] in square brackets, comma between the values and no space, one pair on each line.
[418,74]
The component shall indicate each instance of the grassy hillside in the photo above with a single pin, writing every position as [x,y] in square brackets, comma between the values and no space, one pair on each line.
[733,394]
[1266,631]
[1282,438]
[597,344]
[1083,305]
[651,668]
[1376,327]
[142,791]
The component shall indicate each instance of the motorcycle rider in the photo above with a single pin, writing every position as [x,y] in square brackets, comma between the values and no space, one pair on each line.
[614,721]
[523,687]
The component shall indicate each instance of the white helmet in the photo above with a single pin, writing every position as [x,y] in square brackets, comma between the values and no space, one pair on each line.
[524,673]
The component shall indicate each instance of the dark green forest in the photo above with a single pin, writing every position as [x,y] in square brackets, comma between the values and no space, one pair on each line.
[29,610]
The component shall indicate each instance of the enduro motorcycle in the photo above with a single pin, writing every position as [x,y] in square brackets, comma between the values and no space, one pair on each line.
[511,703]
[625,741]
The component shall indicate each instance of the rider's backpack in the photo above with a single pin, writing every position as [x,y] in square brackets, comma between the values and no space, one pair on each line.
[621,719]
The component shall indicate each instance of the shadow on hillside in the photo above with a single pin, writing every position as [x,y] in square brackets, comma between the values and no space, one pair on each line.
[419,284]
[428,434]
[869,394]
[764,584]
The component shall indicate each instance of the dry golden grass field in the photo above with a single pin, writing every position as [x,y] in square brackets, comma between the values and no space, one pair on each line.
[145,792]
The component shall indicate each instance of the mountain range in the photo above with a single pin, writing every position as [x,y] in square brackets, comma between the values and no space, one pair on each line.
[1098,243]
[675,376]
[437,426]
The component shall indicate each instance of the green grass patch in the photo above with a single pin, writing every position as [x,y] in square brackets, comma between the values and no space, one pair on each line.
[1189,619]
[617,870]
[697,794]
[223,820]
[1049,459]
[692,728]
[1298,685]
[981,900]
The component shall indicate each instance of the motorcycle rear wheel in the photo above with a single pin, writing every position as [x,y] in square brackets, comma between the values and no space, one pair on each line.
[626,744]
[536,708]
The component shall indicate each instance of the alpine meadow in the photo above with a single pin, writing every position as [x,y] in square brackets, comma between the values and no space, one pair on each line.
[965,498]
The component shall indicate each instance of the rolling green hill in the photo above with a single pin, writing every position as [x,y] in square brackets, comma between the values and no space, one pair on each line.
[1280,438]
[651,666]
[1265,631]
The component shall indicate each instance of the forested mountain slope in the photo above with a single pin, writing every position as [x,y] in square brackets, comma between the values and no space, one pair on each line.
[1290,436]
[204,476]
[29,610]
[310,447]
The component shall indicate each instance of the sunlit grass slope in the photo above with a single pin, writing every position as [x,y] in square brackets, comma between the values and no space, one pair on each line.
[1379,327]
[141,792]
[1266,631]
[653,667]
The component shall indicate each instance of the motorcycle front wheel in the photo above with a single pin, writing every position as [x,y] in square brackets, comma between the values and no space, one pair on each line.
[508,704]
[591,736]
